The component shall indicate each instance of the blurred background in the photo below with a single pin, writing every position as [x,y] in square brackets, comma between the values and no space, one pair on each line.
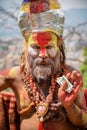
[75,34]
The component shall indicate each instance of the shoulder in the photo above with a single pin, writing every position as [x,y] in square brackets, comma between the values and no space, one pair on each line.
[11,72]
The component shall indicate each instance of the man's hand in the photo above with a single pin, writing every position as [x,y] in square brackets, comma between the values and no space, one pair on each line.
[76,80]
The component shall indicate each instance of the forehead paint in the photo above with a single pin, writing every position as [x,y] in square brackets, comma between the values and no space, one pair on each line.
[42,52]
[43,39]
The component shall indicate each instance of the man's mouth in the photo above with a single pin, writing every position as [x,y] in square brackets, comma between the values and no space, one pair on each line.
[43,63]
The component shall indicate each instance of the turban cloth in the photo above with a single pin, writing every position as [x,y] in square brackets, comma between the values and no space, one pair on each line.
[40,16]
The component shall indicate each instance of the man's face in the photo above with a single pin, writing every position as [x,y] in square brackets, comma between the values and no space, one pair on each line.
[43,55]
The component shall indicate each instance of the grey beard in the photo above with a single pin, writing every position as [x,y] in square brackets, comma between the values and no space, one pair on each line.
[42,72]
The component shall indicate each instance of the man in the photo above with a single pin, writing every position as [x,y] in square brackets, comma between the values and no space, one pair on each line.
[42,102]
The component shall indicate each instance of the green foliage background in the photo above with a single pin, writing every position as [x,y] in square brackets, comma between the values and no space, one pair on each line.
[84,68]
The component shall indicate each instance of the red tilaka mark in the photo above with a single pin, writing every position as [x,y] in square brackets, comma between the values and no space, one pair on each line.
[42,52]
[42,38]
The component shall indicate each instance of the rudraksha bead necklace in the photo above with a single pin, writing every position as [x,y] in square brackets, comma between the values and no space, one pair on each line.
[42,103]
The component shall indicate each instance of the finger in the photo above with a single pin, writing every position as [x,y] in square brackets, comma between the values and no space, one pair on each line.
[68,76]
[81,83]
[80,78]
[75,84]
[73,76]
[77,88]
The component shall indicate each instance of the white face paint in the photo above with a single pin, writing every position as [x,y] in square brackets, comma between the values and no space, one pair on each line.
[43,44]
[35,51]
[51,50]
[32,51]
[43,60]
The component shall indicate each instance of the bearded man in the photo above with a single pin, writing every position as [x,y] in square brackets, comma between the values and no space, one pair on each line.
[48,92]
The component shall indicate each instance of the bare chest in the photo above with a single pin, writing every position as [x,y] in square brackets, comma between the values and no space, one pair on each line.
[33,124]
[22,97]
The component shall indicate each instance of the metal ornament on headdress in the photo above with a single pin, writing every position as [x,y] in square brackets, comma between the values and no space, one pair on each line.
[40,16]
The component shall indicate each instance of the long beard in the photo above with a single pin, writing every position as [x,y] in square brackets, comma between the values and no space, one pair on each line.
[42,72]
[43,69]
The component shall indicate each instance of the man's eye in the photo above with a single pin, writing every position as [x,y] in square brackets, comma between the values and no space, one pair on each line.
[35,47]
[49,47]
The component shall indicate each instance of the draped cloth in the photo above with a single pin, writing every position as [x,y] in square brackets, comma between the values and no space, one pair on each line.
[9,118]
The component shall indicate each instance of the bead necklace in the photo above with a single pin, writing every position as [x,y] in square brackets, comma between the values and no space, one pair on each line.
[42,103]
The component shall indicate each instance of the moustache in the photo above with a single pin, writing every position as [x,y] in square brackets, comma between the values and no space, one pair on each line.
[44,62]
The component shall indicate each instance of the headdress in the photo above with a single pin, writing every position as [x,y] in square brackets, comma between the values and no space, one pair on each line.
[40,16]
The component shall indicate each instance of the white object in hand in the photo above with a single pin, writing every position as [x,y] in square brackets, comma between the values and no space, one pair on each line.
[61,80]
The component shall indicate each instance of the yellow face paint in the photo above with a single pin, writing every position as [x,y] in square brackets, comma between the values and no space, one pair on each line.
[54,41]
[43,39]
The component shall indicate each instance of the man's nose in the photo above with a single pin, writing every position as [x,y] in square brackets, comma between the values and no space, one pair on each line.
[43,53]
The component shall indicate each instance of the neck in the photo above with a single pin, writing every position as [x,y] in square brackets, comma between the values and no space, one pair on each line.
[44,85]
